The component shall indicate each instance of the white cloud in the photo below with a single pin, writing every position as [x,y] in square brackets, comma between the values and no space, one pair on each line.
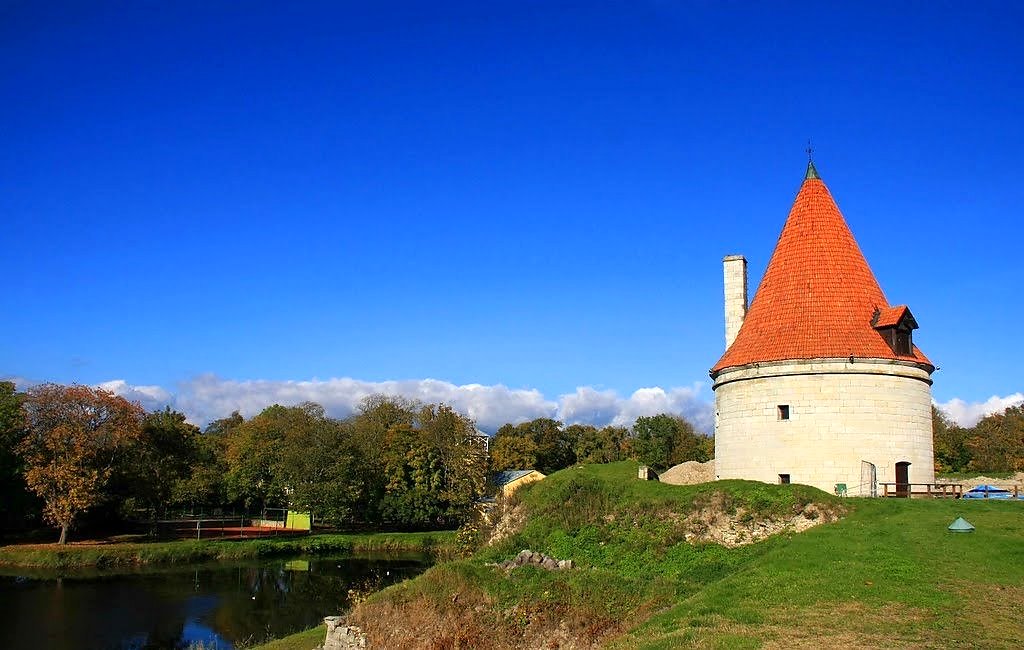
[150,397]
[591,406]
[208,397]
[967,414]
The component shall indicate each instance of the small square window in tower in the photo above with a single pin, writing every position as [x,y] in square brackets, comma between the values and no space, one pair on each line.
[783,411]
[783,479]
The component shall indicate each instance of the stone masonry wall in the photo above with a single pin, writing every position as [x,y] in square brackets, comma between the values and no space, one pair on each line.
[840,413]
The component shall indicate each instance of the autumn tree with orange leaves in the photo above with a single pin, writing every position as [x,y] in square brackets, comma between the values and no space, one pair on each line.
[74,437]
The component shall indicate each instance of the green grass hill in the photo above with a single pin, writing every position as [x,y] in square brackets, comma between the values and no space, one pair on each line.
[718,565]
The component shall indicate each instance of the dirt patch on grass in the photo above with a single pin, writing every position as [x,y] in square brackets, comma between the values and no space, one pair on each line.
[853,625]
[989,617]
[469,619]
[835,625]
[718,521]
[422,623]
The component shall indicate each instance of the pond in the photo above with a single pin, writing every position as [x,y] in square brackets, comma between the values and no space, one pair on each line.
[219,605]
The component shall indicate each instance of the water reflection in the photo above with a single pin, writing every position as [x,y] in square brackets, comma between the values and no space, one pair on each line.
[218,605]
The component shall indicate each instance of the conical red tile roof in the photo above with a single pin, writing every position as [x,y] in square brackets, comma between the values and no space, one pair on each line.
[818,294]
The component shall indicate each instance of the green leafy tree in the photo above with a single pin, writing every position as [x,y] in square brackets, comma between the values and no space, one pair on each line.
[996,443]
[463,458]
[664,440]
[554,445]
[950,444]
[205,487]
[224,427]
[164,456]
[17,503]
[376,416]
[322,468]
[511,449]
[552,448]
[75,436]
[414,480]
[252,450]
[593,445]
[435,469]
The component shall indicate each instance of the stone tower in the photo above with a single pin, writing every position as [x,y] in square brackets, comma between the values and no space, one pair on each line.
[820,382]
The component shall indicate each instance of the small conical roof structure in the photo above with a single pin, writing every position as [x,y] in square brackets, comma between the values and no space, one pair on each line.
[818,295]
[961,525]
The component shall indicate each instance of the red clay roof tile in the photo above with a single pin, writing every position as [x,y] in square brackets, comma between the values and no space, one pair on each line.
[891,316]
[818,294]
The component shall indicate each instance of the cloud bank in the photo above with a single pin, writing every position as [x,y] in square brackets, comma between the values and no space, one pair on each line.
[967,414]
[208,397]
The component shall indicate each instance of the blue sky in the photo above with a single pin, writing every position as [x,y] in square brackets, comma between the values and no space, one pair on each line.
[217,205]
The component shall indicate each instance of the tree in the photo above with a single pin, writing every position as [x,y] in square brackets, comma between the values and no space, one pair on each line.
[74,436]
[413,474]
[252,451]
[462,454]
[17,503]
[377,415]
[322,468]
[435,469]
[205,484]
[166,453]
[996,443]
[949,443]
[224,427]
[593,445]
[550,448]
[554,446]
[664,440]
[512,450]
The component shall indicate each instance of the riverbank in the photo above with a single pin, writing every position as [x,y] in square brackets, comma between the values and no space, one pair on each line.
[112,556]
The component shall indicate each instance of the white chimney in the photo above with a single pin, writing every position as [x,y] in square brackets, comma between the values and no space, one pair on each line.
[735,268]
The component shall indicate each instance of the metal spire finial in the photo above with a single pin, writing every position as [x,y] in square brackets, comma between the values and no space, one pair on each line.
[811,171]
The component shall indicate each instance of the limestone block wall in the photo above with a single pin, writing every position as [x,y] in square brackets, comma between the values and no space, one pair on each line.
[735,270]
[840,413]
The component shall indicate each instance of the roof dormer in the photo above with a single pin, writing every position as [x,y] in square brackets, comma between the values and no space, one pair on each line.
[896,325]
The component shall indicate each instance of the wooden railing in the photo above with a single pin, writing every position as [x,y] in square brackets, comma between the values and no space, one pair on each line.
[934,490]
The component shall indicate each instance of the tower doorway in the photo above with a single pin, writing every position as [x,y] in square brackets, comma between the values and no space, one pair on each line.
[903,479]
[868,479]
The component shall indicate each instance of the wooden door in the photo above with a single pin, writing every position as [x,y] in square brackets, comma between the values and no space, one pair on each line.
[903,479]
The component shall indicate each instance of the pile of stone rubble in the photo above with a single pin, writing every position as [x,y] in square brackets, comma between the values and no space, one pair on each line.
[341,636]
[527,556]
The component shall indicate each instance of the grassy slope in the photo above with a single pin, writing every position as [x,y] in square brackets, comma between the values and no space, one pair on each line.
[305,640]
[888,574]
[112,556]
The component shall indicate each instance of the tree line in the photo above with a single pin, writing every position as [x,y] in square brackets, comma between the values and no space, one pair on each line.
[994,444]
[74,455]
[659,441]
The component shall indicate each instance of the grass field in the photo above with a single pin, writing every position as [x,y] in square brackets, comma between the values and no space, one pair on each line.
[888,574]
[112,556]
